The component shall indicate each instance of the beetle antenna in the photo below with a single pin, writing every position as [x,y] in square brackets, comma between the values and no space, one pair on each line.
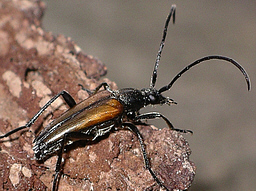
[167,87]
[154,75]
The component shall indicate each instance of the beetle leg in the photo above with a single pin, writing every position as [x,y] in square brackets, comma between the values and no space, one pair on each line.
[72,136]
[85,89]
[68,99]
[135,130]
[154,115]
[66,96]
[104,84]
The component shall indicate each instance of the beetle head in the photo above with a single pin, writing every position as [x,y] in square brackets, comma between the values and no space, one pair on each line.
[153,97]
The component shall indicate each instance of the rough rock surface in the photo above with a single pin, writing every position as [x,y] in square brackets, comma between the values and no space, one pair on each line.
[35,65]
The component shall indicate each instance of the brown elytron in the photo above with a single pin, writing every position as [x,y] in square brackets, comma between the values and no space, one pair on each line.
[108,110]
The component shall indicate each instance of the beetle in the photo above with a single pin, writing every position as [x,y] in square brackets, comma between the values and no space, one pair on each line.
[106,110]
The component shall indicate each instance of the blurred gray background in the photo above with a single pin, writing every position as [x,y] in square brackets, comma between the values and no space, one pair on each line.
[212,98]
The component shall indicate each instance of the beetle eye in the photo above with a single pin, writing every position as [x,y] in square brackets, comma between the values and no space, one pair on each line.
[152,98]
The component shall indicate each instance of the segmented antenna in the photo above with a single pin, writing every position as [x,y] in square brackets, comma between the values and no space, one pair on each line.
[215,57]
[154,75]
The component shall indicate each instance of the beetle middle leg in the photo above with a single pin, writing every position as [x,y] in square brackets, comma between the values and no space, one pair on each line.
[155,115]
[103,84]
[66,96]
[135,130]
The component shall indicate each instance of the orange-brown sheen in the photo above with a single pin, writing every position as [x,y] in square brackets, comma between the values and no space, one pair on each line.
[99,113]
[109,110]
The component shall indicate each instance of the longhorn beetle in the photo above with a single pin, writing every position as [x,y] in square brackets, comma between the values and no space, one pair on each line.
[108,109]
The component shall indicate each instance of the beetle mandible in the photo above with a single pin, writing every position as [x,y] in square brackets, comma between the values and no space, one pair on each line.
[108,109]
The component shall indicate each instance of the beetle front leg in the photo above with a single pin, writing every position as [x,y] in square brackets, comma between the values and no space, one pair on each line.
[155,115]
[135,130]
[72,136]
[66,96]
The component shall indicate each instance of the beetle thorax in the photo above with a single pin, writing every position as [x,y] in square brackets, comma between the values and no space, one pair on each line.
[134,99]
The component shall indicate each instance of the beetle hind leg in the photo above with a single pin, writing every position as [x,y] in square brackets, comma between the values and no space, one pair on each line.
[68,99]
[66,96]
[72,136]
